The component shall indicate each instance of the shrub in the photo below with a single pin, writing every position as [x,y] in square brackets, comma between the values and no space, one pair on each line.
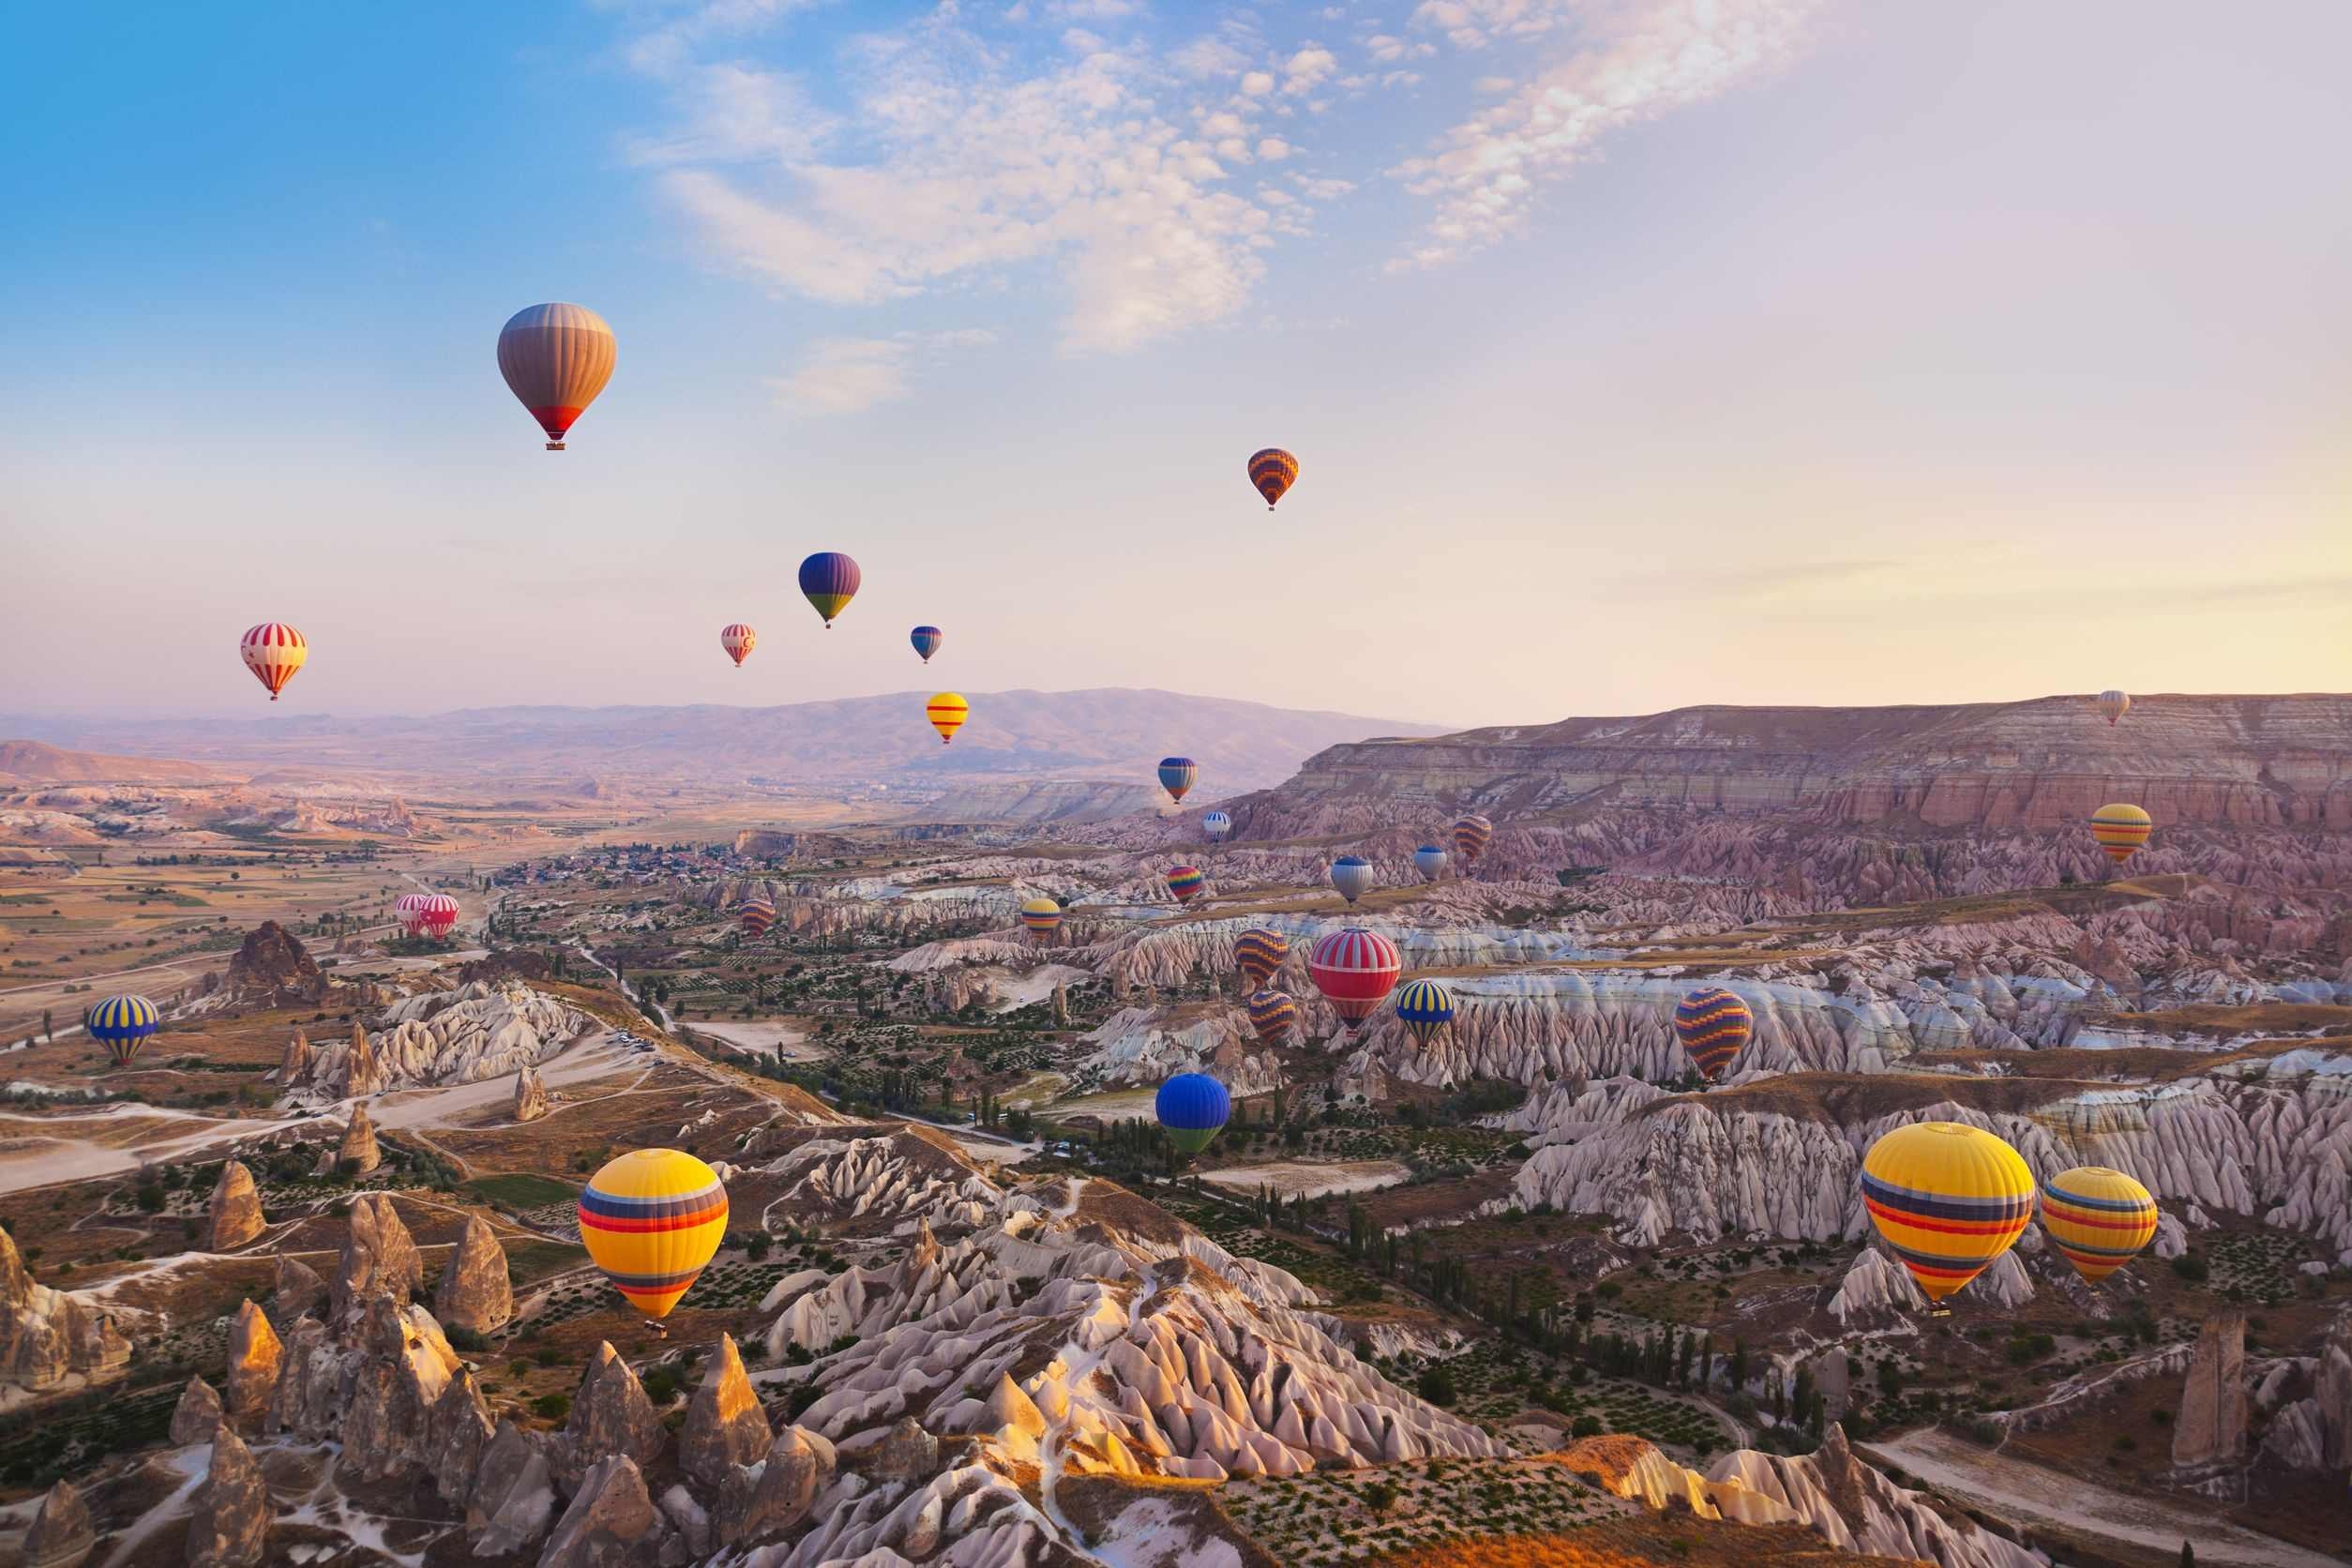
[1435,1385]
[552,1407]
[1586,1427]
[661,1385]
[2190,1266]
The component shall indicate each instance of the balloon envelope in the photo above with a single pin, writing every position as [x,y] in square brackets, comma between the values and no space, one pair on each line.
[1948,1199]
[1425,1007]
[556,358]
[1713,1025]
[2099,1219]
[274,651]
[2113,703]
[829,580]
[1186,883]
[927,641]
[737,639]
[1355,970]
[1471,835]
[1352,876]
[947,712]
[651,1220]
[1041,918]
[1429,861]
[757,915]
[122,1025]
[1191,1108]
[1272,472]
[2120,829]
[1217,826]
[1177,774]
[1271,1014]
[1258,951]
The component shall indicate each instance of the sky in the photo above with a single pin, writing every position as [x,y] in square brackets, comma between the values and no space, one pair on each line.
[1635,353]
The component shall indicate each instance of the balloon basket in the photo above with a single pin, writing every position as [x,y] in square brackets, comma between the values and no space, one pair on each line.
[1940,1312]
[554,446]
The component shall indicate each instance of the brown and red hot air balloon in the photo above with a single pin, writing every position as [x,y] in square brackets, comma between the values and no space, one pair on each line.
[556,358]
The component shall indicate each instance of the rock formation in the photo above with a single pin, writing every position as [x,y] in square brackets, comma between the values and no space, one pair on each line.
[2212,1426]
[236,1207]
[1859,1510]
[358,1154]
[273,968]
[63,1535]
[906,1453]
[1875,1287]
[229,1527]
[513,1496]
[484,1029]
[611,1416]
[296,1290]
[777,1493]
[296,1066]
[361,1075]
[530,1095]
[725,1426]
[197,1416]
[51,1338]
[612,1522]
[475,1292]
[379,1258]
[394,1385]
[255,1359]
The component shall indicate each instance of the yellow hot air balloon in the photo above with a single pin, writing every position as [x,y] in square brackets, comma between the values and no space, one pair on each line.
[651,1220]
[2114,704]
[1948,1199]
[2099,1219]
[947,712]
[2120,829]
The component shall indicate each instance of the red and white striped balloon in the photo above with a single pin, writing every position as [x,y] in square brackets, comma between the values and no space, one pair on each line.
[274,651]
[737,639]
[1355,970]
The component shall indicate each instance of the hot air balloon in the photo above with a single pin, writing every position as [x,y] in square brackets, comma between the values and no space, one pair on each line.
[2099,1219]
[434,917]
[1352,875]
[1471,835]
[1713,1025]
[1948,1199]
[1217,826]
[757,915]
[1191,1108]
[737,639]
[1177,774]
[274,651]
[1429,861]
[122,1025]
[2115,704]
[1186,883]
[1272,472]
[1355,970]
[1271,1014]
[405,910]
[947,711]
[651,1220]
[1258,951]
[1041,918]
[829,579]
[556,358]
[2120,829]
[1425,1007]
[927,641]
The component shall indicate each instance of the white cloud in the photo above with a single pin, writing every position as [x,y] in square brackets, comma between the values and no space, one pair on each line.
[1320,190]
[850,375]
[1273,149]
[1475,23]
[732,112]
[1257,83]
[1637,60]
[1307,70]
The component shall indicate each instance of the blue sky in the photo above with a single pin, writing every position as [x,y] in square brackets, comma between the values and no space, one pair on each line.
[1637,351]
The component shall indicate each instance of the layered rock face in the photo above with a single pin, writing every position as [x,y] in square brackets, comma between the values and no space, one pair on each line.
[229,1527]
[482,1029]
[2212,1427]
[475,1292]
[274,966]
[1857,1508]
[236,1207]
[530,1096]
[1137,1045]
[63,1534]
[49,1338]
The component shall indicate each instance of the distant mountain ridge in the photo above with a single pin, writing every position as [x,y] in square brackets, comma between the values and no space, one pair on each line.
[39,763]
[1104,734]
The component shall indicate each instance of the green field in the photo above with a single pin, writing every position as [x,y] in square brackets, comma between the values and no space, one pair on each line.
[520,1191]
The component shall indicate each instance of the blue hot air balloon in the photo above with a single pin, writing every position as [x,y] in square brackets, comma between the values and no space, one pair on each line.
[1191,1108]
[829,579]
[1218,826]
[122,1025]
[1352,875]
[1429,861]
[927,641]
[1425,1007]
[1177,774]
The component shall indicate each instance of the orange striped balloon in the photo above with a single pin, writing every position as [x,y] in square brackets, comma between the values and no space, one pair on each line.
[274,651]
[2120,829]
[947,711]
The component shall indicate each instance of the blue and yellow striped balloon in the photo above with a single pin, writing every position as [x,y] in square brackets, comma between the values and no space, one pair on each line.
[927,641]
[1177,775]
[1258,951]
[122,1025]
[651,1220]
[1948,1198]
[829,580]
[1714,1026]
[2098,1218]
[1041,918]
[1271,1014]
[1425,1007]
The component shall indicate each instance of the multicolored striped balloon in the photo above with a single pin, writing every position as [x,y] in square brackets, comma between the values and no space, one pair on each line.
[947,711]
[1186,883]
[1470,836]
[2120,829]
[1191,1108]
[737,639]
[651,1221]
[274,651]
[829,580]
[1177,774]
[1352,875]
[927,641]
[1258,951]
[2098,1218]
[1041,918]
[1948,1198]
[1355,970]
[556,358]
[1424,1006]
[1429,861]
[1714,1026]
[1217,826]
[1272,472]
[2113,703]
[122,1025]
[1271,1014]
[757,915]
